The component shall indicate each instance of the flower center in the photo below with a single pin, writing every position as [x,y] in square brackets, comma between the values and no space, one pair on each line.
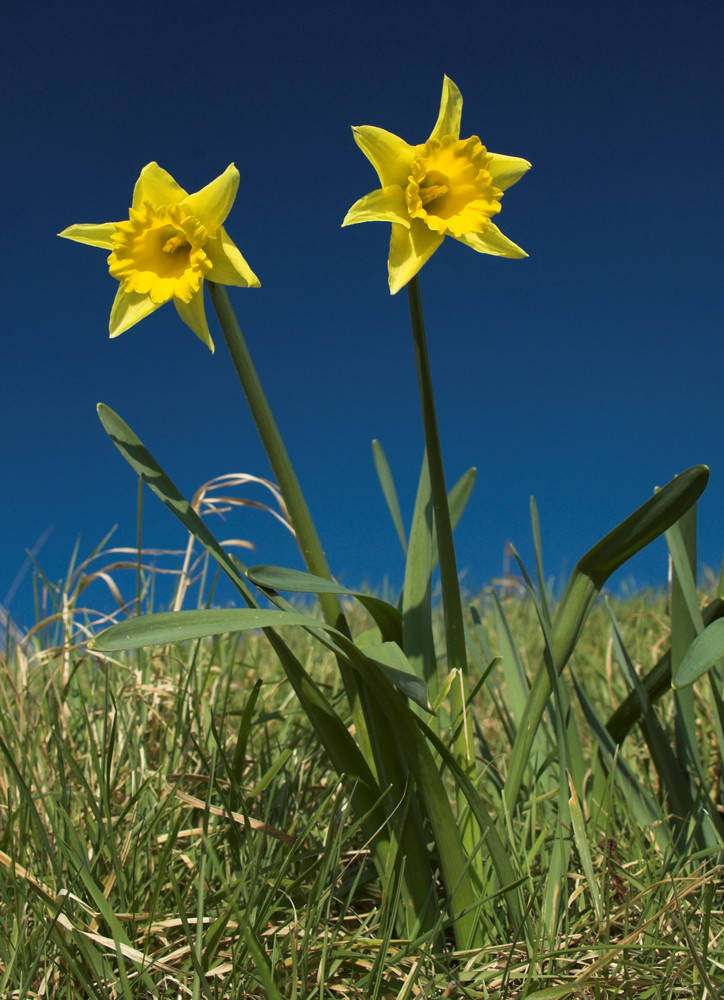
[159,252]
[450,188]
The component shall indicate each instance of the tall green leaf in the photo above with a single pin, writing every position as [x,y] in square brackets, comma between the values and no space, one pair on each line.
[591,572]
[384,474]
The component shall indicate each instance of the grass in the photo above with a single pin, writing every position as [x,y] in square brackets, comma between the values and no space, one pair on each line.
[169,826]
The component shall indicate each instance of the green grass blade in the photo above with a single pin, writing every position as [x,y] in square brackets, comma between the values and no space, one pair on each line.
[516,679]
[538,548]
[261,963]
[384,474]
[238,760]
[584,853]
[390,750]
[568,747]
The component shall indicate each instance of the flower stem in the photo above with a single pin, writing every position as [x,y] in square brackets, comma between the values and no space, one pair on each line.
[449,584]
[307,537]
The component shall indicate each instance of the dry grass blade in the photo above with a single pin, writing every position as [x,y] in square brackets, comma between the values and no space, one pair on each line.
[255,824]
[206,502]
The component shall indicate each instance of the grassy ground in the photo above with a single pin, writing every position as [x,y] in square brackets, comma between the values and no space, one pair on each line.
[170,828]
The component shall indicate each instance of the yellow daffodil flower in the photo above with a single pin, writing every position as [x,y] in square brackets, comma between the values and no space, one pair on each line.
[170,243]
[445,187]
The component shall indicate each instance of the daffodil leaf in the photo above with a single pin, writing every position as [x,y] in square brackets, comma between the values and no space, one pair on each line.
[398,670]
[384,474]
[703,654]
[386,617]
[145,465]
[179,626]
[647,522]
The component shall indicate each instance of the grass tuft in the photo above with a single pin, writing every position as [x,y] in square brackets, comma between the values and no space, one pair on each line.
[170,827]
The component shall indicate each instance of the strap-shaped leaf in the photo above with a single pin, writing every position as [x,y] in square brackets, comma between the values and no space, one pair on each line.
[646,523]
[656,682]
[386,617]
[704,652]
[142,462]
[384,474]
[418,639]
[176,626]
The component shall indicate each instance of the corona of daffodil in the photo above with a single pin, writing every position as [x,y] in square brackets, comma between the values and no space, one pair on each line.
[447,186]
[171,241]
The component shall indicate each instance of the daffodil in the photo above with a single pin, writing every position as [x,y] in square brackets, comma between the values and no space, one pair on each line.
[171,241]
[447,186]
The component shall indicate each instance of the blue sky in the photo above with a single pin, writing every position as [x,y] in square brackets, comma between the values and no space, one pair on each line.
[585,375]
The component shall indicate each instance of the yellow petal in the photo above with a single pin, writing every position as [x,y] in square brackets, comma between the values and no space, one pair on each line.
[492,241]
[409,250]
[389,155]
[451,109]
[128,309]
[213,203]
[156,187]
[384,205]
[228,265]
[97,236]
[193,315]
[506,170]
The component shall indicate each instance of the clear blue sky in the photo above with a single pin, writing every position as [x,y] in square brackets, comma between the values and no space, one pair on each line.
[585,375]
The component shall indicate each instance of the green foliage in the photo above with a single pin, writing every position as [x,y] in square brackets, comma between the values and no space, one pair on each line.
[404,757]
[171,823]
[443,792]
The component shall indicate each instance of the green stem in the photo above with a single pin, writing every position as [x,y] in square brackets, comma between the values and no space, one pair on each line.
[306,534]
[449,583]
[286,479]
